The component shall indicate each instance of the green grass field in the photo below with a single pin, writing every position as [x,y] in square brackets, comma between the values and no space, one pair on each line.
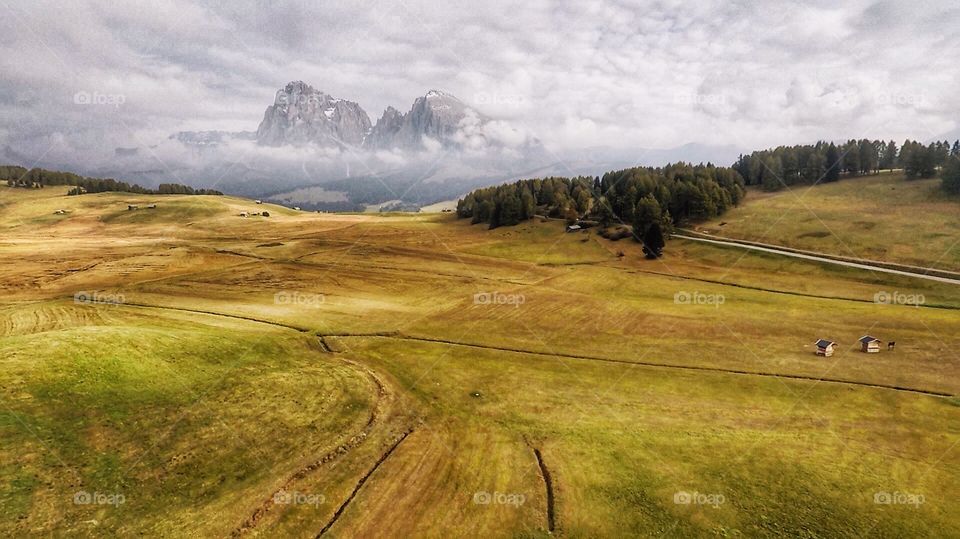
[884,217]
[416,376]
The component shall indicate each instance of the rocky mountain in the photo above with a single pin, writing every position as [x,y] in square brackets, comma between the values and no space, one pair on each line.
[395,159]
[300,115]
[385,131]
[437,116]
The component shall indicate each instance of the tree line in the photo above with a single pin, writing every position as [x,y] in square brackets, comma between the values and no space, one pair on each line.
[650,199]
[951,174]
[37,178]
[808,164]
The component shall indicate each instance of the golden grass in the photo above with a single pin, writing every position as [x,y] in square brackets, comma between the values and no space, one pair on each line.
[200,418]
[883,217]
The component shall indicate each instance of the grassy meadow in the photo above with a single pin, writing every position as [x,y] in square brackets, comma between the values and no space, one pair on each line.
[412,375]
[884,217]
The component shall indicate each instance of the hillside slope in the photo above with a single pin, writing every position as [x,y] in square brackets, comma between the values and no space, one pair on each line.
[309,373]
[883,217]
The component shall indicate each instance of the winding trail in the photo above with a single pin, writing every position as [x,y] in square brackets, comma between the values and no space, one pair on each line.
[930,274]
[336,453]
[340,451]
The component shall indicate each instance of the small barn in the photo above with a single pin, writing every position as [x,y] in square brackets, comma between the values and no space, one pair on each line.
[573,228]
[243,214]
[259,201]
[152,207]
[825,347]
[869,345]
[131,207]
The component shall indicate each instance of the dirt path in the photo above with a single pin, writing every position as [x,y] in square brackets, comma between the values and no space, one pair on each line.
[930,274]
[340,451]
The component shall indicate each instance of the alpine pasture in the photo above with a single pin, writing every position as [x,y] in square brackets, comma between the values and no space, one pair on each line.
[184,371]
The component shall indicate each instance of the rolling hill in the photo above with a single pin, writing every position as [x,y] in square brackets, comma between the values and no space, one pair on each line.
[188,371]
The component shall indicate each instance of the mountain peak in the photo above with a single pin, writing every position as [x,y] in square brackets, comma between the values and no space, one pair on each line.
[298,86]
[302,114]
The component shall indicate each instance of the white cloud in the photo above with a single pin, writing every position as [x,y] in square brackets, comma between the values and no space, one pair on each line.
[621,73]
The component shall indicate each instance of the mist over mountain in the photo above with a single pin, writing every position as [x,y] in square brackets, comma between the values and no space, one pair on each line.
[320,151]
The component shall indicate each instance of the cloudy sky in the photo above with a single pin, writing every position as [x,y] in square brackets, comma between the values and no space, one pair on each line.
[653,74]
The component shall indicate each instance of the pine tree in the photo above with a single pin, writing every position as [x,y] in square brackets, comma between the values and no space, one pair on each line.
[888,159]
[833,164]
[653,241]
[527,204]
[646,213]
[951,175]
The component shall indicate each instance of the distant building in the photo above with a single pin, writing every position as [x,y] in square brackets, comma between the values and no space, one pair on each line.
[297,208]
[869,345]
[131,207]
[825,347]
[152,207]
[573,228]
[243,214]
[259,201]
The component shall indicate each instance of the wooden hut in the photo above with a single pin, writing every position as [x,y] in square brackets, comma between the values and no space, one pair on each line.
[825,347]
[869,345]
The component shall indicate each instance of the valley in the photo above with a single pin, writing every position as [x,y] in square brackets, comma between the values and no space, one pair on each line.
[187,371]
